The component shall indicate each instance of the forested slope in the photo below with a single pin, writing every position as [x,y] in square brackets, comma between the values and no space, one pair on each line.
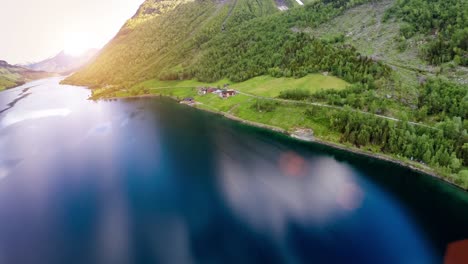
[192,40]
[151,45]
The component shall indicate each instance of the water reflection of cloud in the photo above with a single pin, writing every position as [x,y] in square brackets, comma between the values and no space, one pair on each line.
[267,198]
[101,129]
[170,240]
[6,166]
[3,172]
[17,116]
[113,230]
[124,122]
[292,164]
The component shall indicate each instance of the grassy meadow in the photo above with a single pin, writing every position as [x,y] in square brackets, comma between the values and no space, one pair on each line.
[265,85]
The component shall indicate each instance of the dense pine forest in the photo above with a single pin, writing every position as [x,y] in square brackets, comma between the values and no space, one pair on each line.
[237,40]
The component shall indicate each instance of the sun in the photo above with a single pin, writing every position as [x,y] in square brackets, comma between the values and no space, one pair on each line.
[77,43]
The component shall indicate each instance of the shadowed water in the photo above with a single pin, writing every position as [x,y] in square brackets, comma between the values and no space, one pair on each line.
[151,181]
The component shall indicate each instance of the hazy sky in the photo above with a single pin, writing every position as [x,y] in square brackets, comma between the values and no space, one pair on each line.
[32,30]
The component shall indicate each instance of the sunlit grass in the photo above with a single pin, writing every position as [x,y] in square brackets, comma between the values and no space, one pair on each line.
[271,87]
[263,85]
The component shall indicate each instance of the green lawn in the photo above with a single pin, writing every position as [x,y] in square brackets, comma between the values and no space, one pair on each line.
[271,87]
[263,85]
[289,117]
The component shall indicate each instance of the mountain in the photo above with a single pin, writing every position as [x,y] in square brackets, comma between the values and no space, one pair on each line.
[192,38]
[168,36]
[11,75]
[63,63]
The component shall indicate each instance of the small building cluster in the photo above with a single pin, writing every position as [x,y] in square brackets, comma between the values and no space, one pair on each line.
[188,101]
[227,93]
[222,93]
[206,90]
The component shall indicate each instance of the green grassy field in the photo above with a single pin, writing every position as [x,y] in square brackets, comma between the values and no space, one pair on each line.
[263,85]
[271,87]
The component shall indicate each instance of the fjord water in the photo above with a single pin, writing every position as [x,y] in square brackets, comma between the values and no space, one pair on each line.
[151,181]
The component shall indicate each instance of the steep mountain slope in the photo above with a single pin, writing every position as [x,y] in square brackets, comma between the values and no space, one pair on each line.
[186,42]
[63,63]
[11,76]
[186,38]
[160,39]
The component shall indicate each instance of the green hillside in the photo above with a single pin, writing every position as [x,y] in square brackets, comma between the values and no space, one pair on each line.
[197,40]
[148,46]
[402,61]
[11,76]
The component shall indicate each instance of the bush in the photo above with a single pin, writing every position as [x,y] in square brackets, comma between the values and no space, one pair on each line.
[462,179]
[295,94]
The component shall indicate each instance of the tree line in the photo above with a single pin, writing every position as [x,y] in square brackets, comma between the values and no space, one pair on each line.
[445,148]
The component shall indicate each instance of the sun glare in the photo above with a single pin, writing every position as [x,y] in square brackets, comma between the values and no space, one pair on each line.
[77,43]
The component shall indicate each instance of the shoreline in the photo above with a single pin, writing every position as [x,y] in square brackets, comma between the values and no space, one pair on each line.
[379,156]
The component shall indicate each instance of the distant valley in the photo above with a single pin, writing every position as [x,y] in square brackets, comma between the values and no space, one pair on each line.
[60,64]
[63,63]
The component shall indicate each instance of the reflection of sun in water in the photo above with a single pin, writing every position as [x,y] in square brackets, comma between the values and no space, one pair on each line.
[77,43]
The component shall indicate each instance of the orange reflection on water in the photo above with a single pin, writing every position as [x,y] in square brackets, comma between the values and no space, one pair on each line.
[457,252]
[350,196]
[291,164]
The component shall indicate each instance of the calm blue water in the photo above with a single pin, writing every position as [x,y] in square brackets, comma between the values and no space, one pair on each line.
[151,181]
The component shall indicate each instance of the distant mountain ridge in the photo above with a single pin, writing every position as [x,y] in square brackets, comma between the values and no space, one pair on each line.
[63,63]
[13,75]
